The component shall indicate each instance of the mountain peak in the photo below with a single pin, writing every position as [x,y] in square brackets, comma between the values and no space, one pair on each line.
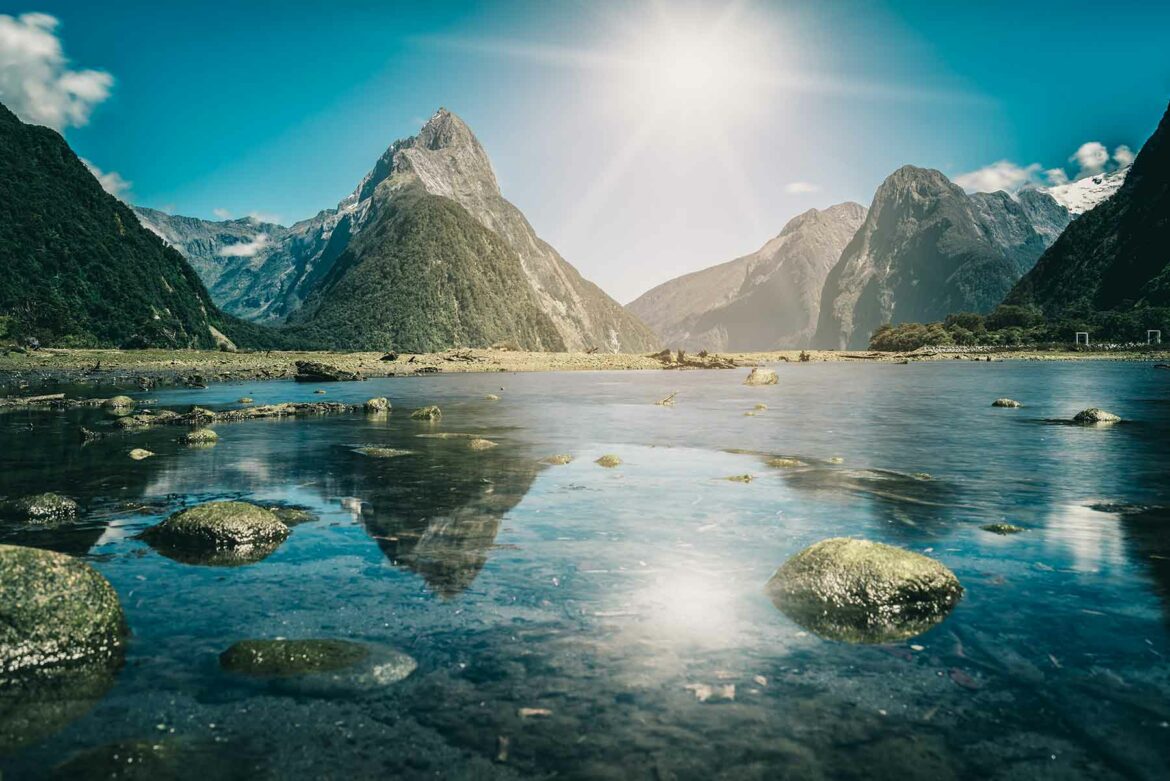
[443,130]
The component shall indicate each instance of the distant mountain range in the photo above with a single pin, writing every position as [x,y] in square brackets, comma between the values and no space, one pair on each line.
[1116,257]
[269,273]
[765,300]
[79,270]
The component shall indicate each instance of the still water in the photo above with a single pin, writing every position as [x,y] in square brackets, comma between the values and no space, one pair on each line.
[609,598]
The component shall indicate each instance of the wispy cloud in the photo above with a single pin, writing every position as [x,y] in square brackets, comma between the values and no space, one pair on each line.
[36,81]
[1090,159]
[801,187]
[264,217]
[111,181]
[245,249]
[223,214]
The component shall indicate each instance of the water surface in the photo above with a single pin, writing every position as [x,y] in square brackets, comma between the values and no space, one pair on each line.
[612,597]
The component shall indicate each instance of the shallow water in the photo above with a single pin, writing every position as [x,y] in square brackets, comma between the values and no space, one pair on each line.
[601,595]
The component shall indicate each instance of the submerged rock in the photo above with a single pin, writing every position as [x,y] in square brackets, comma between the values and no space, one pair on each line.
[46,508]
[1094,415]
[740,478]
[491,397]
[322,667]
[382,452]
[292,515]
[377,404]
[37,704]
[560,459]
[863,592]
[481,444]
[218,534]
[244,400]
[427,413]
[137,759]
[314,371]
[139,453]
[1002,528]
[785,462]
[199,436]
[759,376]
[56,611]
[1006,403]
[609,461]
[291,657]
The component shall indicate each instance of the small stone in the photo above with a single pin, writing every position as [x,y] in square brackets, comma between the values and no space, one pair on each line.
[1002,528]
[529,713]
[481,444]
[492,397]
[559,459]
[382,452]
[199,436]
[1006,403]
[244,400]
[785,462]
[320,392]
[707,693]
[836,460]
[118,402]
[378,404]
[427,413]
[740,478]
[761,407]
[291,657]
[139,453]
[609,461]
[1093,415]
[759,376]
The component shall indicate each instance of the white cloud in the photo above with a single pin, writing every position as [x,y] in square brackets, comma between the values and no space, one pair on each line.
[245,249]
[801,187]
[1003,175]
[36,81]
[1056,176]
[1091,157]
[111,181]
[1123,155]
[223,214]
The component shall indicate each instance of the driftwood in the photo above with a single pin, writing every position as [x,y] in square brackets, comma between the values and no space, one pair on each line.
[668,401]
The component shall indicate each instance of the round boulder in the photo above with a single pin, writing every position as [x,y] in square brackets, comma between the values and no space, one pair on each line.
[139,453]
[118,402]
[1093,416]
[57,611]
[218,533]
[759,376]
[863,592]
[427,413]
[1010,403]
[46,508]
[199,436]
[609,461]
[378,404]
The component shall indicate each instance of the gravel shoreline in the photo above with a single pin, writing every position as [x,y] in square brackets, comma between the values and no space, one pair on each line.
[152,368]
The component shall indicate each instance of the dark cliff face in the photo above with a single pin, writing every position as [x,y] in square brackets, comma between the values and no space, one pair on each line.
[1115,256]
[79,268]
[767,300]
[926,250]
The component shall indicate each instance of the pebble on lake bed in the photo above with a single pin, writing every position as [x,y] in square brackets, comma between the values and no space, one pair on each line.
[291,657]
[427,413]
[609,461]
[1006,403]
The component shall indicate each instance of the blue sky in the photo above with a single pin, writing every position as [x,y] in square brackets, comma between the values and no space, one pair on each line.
[638,160]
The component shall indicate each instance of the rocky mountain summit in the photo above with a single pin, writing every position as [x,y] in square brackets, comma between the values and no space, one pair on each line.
[928,249]
[445,160]
[766,300]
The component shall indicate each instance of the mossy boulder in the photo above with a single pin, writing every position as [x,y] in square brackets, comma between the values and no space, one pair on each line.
[199,436]
[118,403]
[609,461]
[760,376]
[427,413]
[378,404]
[218,534]
[46,509]
[863,592]
[560,459]
[1010,403]
[56,611]
[1093,416]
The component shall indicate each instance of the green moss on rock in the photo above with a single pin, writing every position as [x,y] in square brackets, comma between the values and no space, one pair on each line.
[609,461]
[291,657]
[427,413]
[56,611]
[199,436]
[1002,528]
[863,592]
[218,534]
[46,508]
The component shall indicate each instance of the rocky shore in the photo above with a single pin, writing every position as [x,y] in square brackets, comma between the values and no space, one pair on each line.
[27,371]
